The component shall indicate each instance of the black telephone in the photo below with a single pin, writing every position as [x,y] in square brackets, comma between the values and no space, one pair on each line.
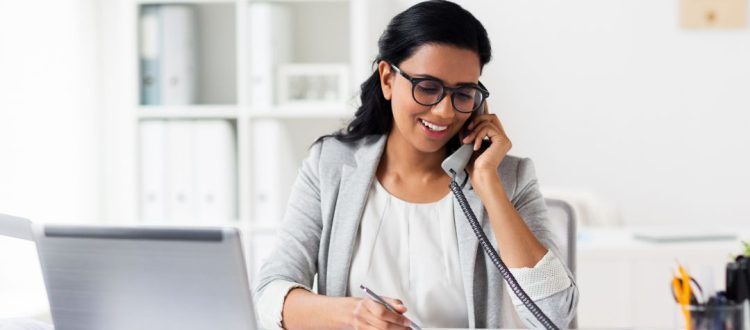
[455,164]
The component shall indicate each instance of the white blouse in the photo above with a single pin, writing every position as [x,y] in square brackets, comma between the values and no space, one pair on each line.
[409,251]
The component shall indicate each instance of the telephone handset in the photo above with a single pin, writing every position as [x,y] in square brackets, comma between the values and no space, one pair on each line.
[457,161]
[455,164]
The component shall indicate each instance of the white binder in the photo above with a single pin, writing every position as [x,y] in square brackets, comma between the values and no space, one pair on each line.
[267,49]
[152,161]
[178,54]
[274,171]
[215,171]
[180,173]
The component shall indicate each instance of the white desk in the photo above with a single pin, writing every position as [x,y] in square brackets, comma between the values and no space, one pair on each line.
[624,282]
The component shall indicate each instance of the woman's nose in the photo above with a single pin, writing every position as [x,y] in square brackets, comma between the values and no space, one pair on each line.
[444,108]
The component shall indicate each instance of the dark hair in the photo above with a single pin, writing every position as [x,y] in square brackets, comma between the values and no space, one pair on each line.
[429,22]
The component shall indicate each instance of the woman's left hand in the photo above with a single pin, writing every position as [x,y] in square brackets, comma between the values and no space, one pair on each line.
[484,125]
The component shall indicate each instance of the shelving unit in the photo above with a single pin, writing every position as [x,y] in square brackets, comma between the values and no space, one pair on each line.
[241,46]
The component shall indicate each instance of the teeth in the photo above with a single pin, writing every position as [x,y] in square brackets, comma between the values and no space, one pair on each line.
[432,126]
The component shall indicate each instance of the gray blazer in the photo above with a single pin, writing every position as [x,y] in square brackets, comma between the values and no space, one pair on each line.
[324,211]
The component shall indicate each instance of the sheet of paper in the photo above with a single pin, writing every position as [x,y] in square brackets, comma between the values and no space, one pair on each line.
[16,227]
[24,324]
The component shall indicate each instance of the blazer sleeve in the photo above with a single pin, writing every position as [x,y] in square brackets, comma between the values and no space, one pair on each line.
[294,258]
[560,307]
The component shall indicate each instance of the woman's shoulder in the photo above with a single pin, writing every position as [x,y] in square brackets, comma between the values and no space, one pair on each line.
[331,148]
[516,171]
[511,164]
[339,141]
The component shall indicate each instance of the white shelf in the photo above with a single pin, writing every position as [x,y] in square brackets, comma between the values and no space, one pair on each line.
[298,1]
[336,111]
[188,112]
[166,2]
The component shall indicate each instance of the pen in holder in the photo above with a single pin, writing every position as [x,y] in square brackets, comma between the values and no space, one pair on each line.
[738,285]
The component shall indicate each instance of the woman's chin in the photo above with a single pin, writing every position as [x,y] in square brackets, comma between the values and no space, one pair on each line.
[430,146]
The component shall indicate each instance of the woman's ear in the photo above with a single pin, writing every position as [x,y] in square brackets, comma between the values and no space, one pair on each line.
[386,79]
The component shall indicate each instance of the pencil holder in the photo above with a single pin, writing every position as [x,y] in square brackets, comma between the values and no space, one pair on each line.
[713,317]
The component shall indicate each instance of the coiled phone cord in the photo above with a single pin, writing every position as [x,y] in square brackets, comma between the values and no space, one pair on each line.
[492,253]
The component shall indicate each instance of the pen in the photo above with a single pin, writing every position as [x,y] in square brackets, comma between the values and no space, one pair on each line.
[377,298]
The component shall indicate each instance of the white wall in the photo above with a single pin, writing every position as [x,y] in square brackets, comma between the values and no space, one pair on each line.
[49,141]
[610,96]
[614,97]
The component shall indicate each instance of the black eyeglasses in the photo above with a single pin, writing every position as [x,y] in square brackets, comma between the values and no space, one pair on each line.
[466,98]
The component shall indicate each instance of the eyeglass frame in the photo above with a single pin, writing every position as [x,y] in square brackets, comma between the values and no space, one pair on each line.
[416,80]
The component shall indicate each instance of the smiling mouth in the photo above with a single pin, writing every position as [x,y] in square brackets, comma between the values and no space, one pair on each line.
[431,126]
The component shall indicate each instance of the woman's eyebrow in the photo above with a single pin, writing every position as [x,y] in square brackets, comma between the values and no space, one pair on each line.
[443,81]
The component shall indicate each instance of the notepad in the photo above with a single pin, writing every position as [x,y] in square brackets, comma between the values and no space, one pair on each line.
[16,227]
[24,324]
[673,235]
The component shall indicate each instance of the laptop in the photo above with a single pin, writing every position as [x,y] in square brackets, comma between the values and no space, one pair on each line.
[145,277]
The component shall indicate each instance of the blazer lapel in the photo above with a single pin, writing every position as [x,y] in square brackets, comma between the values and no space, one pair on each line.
[468,245]
[356,180]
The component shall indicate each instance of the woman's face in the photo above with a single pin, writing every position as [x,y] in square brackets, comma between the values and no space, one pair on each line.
[449,64]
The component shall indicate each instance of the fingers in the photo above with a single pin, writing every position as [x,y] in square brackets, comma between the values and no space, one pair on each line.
[376,323]
[484,130]
[396,303]
[383,314]
[479,132]
[372,315]
[481,122]
[487,129]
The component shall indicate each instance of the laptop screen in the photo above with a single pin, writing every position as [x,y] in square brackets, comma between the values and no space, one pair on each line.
[145,277]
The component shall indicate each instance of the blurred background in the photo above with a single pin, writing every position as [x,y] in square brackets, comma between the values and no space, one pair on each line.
[199,112]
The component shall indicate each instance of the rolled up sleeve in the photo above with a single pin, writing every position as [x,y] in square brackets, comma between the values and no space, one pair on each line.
[271,303]
[545,279]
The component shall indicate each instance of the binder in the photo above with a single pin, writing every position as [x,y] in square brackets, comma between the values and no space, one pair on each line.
[267,49]
[152,148]
[149,55]
[215,171]
[180,174]
[267,171]
[274,171]
[178,54]
[168,55]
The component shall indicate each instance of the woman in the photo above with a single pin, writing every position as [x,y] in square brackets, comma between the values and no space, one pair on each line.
[371,204]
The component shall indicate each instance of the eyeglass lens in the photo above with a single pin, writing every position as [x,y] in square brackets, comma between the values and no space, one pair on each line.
[465,99]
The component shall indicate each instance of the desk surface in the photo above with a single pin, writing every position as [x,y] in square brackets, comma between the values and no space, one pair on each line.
[605,256]
[632,275]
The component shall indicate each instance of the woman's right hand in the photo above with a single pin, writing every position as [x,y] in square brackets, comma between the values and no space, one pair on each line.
[369,314]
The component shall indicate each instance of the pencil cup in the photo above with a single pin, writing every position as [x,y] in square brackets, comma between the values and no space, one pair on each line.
[713,317]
